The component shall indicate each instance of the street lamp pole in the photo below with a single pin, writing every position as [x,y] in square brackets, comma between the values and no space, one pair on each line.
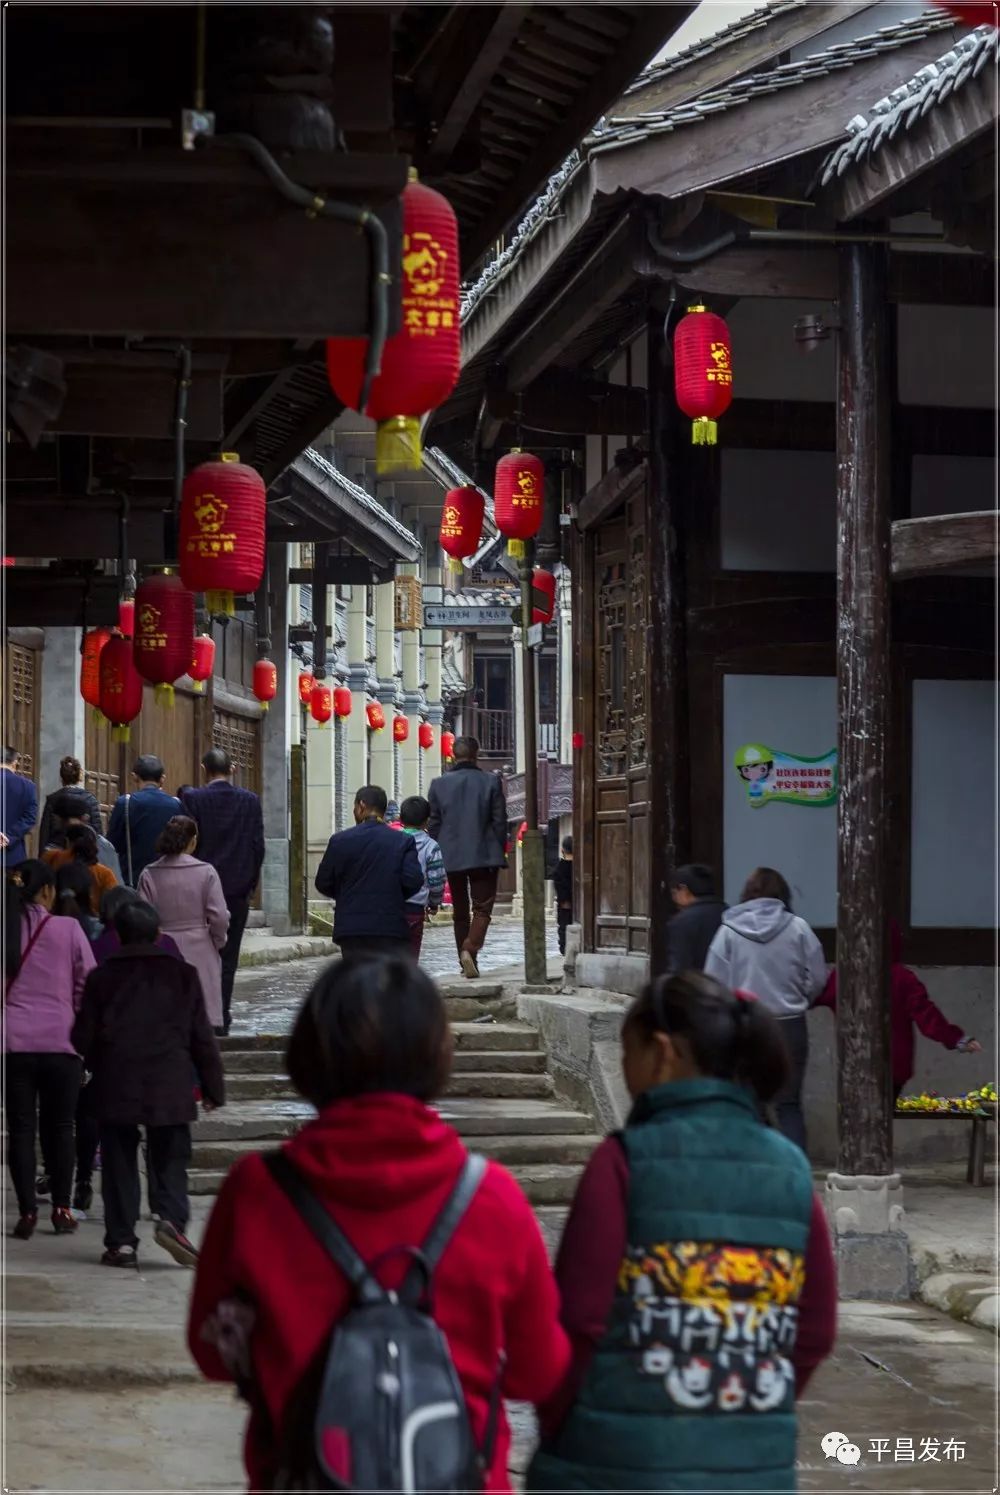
[533,845]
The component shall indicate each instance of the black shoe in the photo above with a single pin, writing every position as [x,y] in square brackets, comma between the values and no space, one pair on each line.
[175,1244]
[120,1256]
[83,1197]
[43,1186]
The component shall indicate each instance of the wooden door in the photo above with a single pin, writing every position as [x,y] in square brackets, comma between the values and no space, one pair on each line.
[167,732]
[239,736]
[618,692]
[22,695]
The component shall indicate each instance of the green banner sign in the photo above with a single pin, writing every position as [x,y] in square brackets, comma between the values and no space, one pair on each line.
[772,775]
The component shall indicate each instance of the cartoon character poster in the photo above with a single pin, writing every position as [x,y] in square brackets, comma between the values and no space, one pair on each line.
[773,775]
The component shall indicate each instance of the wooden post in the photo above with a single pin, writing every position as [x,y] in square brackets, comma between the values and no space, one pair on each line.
[864,1092]
[297,859]
[533,844]
[672,464]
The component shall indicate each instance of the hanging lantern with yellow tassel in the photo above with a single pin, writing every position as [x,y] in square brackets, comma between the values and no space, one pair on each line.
[703,372]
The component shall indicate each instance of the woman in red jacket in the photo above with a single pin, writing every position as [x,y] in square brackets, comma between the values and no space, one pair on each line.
[371,1049]
[910,1006]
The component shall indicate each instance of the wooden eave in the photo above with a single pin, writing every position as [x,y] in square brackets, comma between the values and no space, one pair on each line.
[944,543]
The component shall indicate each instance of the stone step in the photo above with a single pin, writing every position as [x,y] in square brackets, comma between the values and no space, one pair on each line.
[502,1084]
[264,1121]
[556,1148]
[517,1037]
[543,1183]
[479,1039]
[500,1061]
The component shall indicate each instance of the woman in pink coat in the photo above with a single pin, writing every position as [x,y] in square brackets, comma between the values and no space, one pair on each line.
[188,895]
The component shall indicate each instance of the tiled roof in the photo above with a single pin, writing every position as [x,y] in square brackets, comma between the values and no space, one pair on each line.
[914,100]
[365,500]
[612,133]
[482,597]
[699,50]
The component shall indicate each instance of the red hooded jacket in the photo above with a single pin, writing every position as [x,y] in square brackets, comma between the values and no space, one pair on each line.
[909,1004]
[384,1166]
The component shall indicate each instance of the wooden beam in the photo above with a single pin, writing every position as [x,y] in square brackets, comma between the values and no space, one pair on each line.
[943,542]
[133,258]
[486,37]
[37,597]
[761,133]
[864,690]
[124,401]
[613,490]
[595,285]
[570,403]
[80,528]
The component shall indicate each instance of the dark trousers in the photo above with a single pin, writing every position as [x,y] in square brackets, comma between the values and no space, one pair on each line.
[564,918]
[168,1152]
[41,1091]
[88,1136]
[351,945]
[416,919]
[239,909]
[473,894]
[788,1101]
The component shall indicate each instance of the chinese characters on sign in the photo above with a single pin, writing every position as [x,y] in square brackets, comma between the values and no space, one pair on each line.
[773,775]
[425,310]
[899,1450]
[720,371]
[210,516]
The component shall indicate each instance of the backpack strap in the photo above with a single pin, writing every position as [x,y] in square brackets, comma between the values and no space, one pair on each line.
[324,1228]
[444,1227]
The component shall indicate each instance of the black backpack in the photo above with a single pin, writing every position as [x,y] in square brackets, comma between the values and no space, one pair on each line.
[388,1413]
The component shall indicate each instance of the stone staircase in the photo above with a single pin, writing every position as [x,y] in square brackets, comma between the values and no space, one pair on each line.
[501,1100]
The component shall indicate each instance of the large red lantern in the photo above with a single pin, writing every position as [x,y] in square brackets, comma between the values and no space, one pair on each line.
[223,517]
[343,702]
[90,665]
[543,596]
[425,736]
[307,684]
[265,681]
[420,362]
[461,524]
[202,660]
[400,729]
[121,685]
[376,716]
[518,498]
[703,371]
[321,703]
[164,632]
[448,746]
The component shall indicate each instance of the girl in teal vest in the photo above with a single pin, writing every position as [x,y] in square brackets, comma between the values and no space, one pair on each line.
[696,1273]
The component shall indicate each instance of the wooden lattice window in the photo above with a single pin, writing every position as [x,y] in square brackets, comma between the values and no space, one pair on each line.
[409,604]
[22,690]
[612,668]
[240,738]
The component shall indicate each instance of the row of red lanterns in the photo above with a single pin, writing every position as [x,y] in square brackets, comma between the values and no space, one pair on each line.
[325,701]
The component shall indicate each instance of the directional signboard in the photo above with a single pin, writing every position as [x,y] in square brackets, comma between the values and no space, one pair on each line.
[439,616]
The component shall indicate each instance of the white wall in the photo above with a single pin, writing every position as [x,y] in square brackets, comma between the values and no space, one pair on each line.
[796,714]
[947,355]
[779,511]
[952,868]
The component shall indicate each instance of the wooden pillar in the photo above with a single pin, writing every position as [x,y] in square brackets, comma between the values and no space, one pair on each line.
[674,467]
[864,1094]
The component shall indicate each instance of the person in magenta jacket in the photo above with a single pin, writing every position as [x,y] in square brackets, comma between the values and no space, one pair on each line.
[910,1006]
[371,1049]
[46,962]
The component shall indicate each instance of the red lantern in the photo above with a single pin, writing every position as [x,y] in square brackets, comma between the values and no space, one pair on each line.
[321,704]
[703,372]
[400,729]
[518,496]
[90,665]
[579,742]
[265,681]
[420,363]
[376,716]
[307,684]
[982,14]
[223,514]
[121,685]
[342,701]
[543,603]
[164,632]
[425,736]
[202,660]
[461,525]
[448,746]
[126,616]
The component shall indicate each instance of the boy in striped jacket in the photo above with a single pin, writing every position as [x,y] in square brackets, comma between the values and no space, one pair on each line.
[415,813]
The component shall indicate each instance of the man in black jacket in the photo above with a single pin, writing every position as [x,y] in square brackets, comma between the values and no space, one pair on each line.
[370,871]
[143,1030]
[699,914]
[469,823]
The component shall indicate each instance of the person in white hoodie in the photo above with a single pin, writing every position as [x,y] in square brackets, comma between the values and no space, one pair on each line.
[762,947]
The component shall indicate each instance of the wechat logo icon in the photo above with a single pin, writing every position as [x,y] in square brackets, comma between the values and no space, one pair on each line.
[838,1446]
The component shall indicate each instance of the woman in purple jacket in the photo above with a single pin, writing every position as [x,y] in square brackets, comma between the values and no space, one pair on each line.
[46,961]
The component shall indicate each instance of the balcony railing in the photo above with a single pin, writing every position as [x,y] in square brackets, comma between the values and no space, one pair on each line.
[496,733]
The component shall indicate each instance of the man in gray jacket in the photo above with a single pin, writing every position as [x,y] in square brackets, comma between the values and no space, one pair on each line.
[469,823]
